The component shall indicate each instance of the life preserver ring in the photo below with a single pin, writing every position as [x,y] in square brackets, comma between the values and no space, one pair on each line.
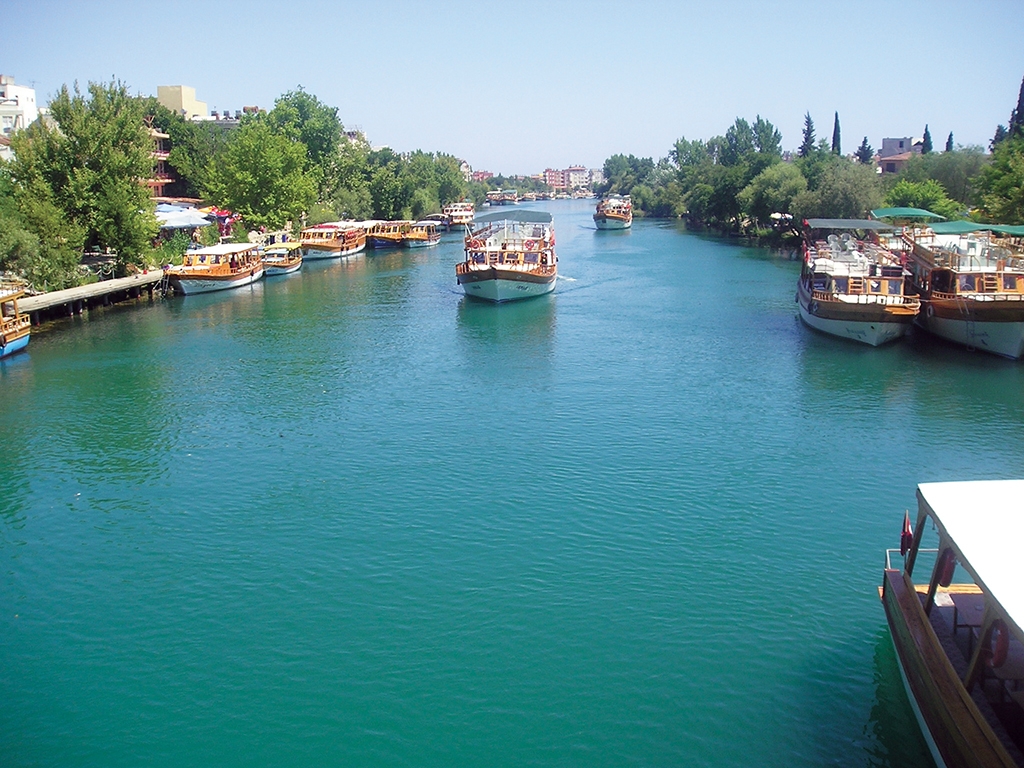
[475,244]
[998,645]
[930,311]
[530,245]
[946,566]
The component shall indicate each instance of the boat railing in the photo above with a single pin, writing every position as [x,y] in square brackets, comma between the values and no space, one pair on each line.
[12,324]
[889,555]
[866,298]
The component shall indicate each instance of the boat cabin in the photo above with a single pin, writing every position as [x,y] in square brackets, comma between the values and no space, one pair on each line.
[956,611]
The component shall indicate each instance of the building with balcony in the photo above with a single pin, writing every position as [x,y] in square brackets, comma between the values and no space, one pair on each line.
[18,108]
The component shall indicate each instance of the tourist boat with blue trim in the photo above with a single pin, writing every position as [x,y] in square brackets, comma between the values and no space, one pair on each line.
[387,234]
[282,258]
[509,256]
[958,632]
[332,240]
[614,212]
[15,327]
[971,280]
[217,268]
[422,234]
[854,289]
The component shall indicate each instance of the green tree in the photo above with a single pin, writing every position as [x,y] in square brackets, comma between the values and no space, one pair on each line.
[949,142]
[1002,183]
[261,175]
[843,190]
[807,145]
[302,116]
[956,171]
[864,154]
[1001,133]
[88,167]
[927,194]
[926,142]
[836,141]
[772,191]
[1017,116]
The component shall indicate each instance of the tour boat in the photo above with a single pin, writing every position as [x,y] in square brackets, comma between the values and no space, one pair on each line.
[971,286]
[458,214]
[333,240]
[959,644]
[217,268]
[387,234]
[854,289]
[282,258]
[503,197]
[509,256]
[14,326]
[614,212]
[421,234]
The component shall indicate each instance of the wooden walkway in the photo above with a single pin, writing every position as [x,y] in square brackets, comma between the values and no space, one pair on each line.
[43,301]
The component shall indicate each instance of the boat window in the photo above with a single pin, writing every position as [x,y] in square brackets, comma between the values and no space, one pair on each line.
[1010,283]
[894,287]
[841,284]
[875,286]
[965,282]
[820,282]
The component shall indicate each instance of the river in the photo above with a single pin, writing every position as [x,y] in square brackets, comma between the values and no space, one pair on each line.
[350,517]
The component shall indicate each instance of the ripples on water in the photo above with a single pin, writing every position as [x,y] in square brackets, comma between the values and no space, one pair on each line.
[349,516]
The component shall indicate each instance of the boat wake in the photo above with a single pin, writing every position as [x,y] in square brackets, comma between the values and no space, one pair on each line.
[566,279]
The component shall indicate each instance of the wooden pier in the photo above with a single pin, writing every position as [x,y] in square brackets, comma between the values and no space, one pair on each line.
[71,301]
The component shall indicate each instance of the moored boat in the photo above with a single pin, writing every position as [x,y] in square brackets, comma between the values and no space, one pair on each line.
[421,234]
[458,214]
[217,268]
[614,212]
[282,258]
[971,283]
[387,234]
[15,327]
[854,289]
[332,240]
[509,256]
[503,197]
[957,633]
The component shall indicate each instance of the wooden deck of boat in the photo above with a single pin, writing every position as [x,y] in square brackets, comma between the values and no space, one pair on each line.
[52,299]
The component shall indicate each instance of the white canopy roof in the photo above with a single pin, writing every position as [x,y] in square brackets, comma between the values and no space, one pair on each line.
[985,519]
[224,249]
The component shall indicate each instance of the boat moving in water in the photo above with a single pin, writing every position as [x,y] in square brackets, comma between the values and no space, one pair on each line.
[959,644]
[854,289]
[614,212]
[332,240]
[509,256]
[282,258]
[15,327]
[971,283]
[217,268]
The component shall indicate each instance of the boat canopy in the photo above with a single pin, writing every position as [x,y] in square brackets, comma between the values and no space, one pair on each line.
[905,213]
[985,520]
[224,249]
[848,224]
[966,227]
[530,217]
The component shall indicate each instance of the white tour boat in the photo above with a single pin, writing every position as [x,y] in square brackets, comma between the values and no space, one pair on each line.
[509,256]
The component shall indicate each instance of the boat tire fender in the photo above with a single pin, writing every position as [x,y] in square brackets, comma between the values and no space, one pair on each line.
[998,645]
[947,564]
[813,307]
[3,340]
[930,311]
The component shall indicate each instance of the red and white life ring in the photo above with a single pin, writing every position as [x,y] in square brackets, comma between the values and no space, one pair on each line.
[946,566]
[475,244]
[531,245]
[998,645]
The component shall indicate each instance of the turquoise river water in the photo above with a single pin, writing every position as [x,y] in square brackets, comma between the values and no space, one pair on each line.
[349,517]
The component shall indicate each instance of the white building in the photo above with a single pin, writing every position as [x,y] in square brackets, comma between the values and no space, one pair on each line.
[577,177]
[18,108]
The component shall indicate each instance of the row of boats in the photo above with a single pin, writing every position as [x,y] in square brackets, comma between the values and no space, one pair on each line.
[870,281]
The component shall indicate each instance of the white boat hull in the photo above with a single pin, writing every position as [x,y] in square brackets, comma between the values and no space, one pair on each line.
[1005,339]
[315,254]
[499,290]
[273,270]
[872,333]
[613,223]
[191,285]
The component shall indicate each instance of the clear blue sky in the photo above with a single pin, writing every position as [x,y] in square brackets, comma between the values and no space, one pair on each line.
[515,87]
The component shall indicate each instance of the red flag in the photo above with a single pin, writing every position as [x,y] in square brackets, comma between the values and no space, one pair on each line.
[907,537]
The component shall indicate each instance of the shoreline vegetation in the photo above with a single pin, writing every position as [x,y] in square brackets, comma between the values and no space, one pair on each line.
[76,185]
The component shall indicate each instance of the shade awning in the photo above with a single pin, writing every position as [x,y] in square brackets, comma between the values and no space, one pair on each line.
[187,218]
[905,213]
[536,217]
[848,224]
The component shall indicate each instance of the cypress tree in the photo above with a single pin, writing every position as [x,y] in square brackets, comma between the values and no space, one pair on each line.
[1017,116]
[1001,133]
[926,142]
[807,145]
[836,148]
[949,142]
[864,152]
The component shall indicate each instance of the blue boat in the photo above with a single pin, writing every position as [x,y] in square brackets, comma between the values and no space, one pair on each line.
[14,326]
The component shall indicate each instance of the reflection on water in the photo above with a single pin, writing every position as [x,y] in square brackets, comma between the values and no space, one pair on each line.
[517,335]
[894,737]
